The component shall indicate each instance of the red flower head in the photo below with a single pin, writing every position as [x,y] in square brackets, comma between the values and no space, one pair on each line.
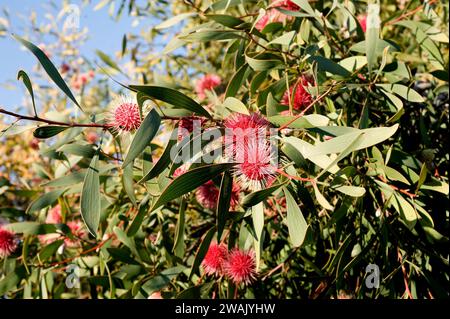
[8,242]
[273,15]
[187,125]
[362,19]
[54,215]
[240,266]
[207,195]
[206,83]
[215,259]
[301,97]
[125,117]
[256,167]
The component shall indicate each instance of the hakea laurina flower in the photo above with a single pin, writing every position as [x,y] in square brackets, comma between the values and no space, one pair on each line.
[125,115]
[362,19]
[187,124]
[240,266]
[206,83]
[246,144]
[207,195]
[301,97]
[273,15]
[215,259]
[8,242]
[256,169]
[76,227]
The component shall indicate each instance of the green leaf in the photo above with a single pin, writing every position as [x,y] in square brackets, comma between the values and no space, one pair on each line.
[45,200]
[128,183]
[190,181]
[202,250]
[172,97]
[236,81]
[174,20]
[26,80]
[49,68]
[262,65]
[258,225]
[234,105]
[148,129]
[307,121]
[212,35]
[139,218]
[49,250]
[107,60]
[223,206]
[35,228]
[353,191]
[353,63]
[284,39]
[90,197]
[163,161]
[225,20]
[321,199]
[326,65]
[296,223]
[48,131]
[11,280]
[405,209]
[403,91]
[372,34]
[178,244]
[256,197]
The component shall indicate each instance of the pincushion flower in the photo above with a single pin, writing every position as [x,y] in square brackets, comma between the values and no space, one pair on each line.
[301,97]
[273,15]
[54,215]
[240,266]
[206,83]
[8,242]
[362,19]
[125,115]
[207,195]
[214,259]
[187,125]
[256,168]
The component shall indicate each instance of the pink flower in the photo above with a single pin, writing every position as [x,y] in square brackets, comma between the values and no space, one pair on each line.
[243,121]
[256,168]
[215,258]
[78,231]
[91,137]
[155,295]
[180,170]
[362,19]
[273,15]
[54,215]
[187,124]
[207,195]
[125,116]
[206,83]
[240,266]
[8,242]
[246,144]
[301,97]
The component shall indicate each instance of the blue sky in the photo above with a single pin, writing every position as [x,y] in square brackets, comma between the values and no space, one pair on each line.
[105,34]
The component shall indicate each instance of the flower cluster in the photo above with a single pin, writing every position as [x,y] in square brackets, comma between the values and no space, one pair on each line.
[247,145]
[208,195]
[206,83]
[273,15]
[125,116]
[237,265]
[297,94]
[8,242]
